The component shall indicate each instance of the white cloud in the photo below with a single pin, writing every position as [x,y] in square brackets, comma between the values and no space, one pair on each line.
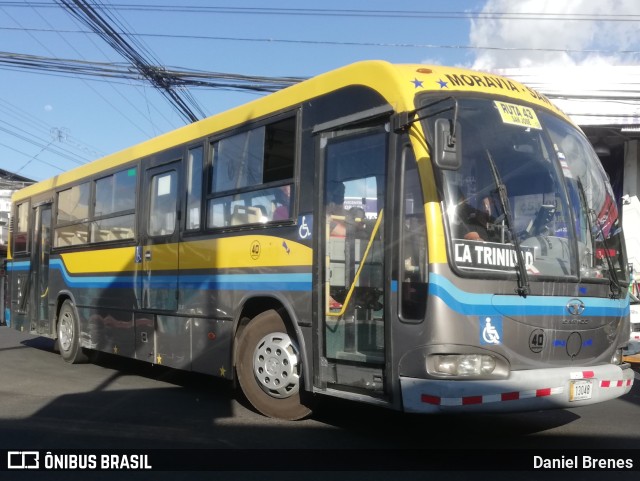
[431,61]
[554,42]
[48,108]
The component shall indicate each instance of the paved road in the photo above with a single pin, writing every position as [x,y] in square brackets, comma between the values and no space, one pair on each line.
[46,403]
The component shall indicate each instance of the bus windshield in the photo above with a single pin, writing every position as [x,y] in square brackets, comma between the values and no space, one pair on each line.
[527,180]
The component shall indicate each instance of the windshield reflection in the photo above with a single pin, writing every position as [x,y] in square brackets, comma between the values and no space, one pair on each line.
[556,209]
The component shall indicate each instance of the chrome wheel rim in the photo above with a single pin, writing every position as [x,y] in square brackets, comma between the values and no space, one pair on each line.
[275,365]
[65,331]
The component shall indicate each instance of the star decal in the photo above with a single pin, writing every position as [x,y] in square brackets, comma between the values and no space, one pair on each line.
[158,359]
[222,371]
[443,84]
[417,83]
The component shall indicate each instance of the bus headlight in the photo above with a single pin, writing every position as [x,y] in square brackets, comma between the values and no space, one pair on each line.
[617,357]
[461,364]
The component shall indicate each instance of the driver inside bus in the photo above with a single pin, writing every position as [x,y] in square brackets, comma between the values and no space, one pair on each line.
[471,222]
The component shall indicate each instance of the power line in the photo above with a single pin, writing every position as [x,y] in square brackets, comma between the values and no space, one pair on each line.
[60,152]
[85,12]
[72,46]
[408,14]
[29,138]
[345,43]
[110,70]
[143,93]
[32,158]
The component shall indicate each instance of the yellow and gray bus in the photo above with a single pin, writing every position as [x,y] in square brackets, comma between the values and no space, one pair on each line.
[417,237]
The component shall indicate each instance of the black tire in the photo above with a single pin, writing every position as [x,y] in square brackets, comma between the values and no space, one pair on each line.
[69,334]
[269,370]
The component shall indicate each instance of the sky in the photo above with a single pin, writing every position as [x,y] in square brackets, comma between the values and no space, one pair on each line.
[51,123]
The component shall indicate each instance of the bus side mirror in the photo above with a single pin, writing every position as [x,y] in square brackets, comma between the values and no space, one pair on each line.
[447,145]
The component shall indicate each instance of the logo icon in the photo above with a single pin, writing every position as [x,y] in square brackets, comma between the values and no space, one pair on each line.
[574,344]
[491,330]
[304,231]
[536,341]
[255,250]
[575,307]
[23,460]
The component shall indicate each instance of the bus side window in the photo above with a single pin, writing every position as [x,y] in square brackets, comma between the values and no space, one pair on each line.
[114,207]
[252,175]
[72,227]
[163,204]
[20,235]
[194,187]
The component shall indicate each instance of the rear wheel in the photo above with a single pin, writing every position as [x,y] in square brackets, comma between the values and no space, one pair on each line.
[269,367]
[69,334]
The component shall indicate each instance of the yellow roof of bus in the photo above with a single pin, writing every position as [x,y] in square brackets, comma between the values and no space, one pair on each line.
[398,84]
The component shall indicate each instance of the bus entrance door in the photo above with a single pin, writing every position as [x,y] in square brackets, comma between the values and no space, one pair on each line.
[353,245]
[160,251]
[40,263]
[157,331]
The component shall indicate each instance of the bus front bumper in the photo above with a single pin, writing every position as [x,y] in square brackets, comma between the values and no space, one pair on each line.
[522,391]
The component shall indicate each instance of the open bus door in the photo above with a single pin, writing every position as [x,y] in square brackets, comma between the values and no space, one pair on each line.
[353,333]
[40,254]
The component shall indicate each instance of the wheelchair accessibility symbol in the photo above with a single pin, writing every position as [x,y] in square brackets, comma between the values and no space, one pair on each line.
[305,222]
[491,330]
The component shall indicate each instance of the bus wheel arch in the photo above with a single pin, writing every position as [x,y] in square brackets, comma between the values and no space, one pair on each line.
[252,307]
[268,364]
[68,332]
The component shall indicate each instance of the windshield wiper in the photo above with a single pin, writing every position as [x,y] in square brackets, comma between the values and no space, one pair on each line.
[592,218]
[523,278]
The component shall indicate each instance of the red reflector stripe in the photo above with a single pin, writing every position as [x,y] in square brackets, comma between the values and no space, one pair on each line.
[471,400]
[517,395]
[510,396]
[430,399]
[618,383]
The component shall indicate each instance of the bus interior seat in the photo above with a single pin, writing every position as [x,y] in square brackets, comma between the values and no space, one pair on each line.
[112,234]
[246,215]
[64,238]
[122,232]
[263,213]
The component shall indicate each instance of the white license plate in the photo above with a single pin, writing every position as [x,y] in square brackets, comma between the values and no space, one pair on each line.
[580,390]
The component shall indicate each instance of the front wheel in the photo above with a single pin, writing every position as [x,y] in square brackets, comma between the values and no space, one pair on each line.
[69,334]
[269,367]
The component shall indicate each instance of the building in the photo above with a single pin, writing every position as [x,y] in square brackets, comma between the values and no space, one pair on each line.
[9,183]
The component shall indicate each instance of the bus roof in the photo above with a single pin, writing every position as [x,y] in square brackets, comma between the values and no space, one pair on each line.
[398,84]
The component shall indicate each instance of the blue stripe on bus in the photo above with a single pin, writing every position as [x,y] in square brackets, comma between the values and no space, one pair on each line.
[469,303]
[252,282]
[18,266]
[280,282]
[464,302]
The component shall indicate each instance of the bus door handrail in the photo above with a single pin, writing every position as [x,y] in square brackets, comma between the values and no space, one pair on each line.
[347,299]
